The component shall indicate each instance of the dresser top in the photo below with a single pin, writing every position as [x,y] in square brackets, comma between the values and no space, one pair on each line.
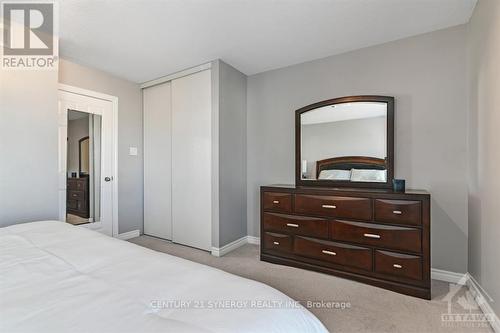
[345,189]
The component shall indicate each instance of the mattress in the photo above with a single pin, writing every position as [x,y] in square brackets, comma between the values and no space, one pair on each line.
[55,277]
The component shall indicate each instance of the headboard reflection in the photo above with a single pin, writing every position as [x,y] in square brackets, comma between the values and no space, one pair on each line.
[351,162]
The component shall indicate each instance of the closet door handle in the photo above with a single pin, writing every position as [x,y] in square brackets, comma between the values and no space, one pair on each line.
[330,253]
[372,236]
[293,225]
[329,206]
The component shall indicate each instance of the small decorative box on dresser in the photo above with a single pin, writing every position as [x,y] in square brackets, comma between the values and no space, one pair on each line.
[376,236]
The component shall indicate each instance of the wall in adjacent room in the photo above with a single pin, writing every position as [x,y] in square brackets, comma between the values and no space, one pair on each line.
[28,146]
[130,168]
[426,74]
[77,129]
[484,147]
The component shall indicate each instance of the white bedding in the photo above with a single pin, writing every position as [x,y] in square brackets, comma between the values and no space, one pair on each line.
[55,277]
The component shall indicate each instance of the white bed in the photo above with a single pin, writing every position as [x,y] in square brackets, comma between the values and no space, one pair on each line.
[55,277]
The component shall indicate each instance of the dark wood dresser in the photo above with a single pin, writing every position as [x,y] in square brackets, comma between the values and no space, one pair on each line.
[77,196]
[374,236]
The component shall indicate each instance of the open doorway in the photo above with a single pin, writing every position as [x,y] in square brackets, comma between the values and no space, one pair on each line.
[88,159]
[83,167]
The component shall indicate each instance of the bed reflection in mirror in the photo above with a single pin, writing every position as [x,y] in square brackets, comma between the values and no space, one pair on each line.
[345,142]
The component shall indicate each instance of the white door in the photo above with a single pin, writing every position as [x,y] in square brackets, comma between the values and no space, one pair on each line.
[191,160]
[102,184]
[158,161]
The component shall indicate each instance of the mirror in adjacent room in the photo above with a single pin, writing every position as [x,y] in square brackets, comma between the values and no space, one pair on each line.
[346,142]
[83,162]
[84,168]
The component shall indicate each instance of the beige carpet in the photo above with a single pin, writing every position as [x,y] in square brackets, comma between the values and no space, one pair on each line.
[372,309]
[76,220]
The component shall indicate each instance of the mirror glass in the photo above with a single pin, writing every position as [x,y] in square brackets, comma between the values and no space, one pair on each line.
[345,142]
[83,194]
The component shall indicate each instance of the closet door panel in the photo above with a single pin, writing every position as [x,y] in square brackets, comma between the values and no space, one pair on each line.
[158,161]
[191,160]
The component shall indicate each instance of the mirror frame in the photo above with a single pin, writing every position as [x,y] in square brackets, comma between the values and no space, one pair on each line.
[390,143]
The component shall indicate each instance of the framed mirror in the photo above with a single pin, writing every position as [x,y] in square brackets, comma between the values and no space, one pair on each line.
[83,155]
[345,142]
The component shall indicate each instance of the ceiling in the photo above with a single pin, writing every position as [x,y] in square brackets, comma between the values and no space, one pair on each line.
[143,40]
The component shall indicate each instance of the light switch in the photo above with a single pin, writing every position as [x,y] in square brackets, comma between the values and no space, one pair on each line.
[132,151]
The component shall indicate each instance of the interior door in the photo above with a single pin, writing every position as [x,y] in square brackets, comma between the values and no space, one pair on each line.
[158,161]
[101,183]
[191,160]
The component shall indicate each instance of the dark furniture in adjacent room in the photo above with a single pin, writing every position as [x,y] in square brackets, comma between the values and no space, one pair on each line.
[77,196]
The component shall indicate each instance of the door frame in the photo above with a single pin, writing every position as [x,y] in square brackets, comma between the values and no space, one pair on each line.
[114,102]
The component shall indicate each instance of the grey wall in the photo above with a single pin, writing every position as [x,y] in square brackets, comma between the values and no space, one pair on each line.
[130,168]
[77,129]
[484,147]
[354,137]
[28,146]
[426,74]
[232,154]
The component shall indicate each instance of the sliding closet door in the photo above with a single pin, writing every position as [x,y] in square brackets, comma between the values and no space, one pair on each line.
[191,160]
[158,161]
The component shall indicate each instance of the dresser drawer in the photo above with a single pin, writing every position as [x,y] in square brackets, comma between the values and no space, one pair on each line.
[398,211]
[72,204]
[76,195]
[276,201]
[334,206]
[306,226]
[72,184]
[277,242]
[77,184]
[398,264]
[342,254]
[399,238]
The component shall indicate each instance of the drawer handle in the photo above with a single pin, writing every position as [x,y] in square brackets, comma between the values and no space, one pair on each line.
[276,243]
[293,225]
[371,236]
[276,201]
[329,206]
[398,266]
[75,195]
[397,212]
[331,253]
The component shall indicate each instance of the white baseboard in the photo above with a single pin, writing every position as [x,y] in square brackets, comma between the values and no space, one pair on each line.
[253,240]
[482,299]
[220,251]
[447,276]
[128,235]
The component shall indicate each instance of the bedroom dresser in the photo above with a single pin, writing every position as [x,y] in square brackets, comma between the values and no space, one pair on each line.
[77,196]
[375,236]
